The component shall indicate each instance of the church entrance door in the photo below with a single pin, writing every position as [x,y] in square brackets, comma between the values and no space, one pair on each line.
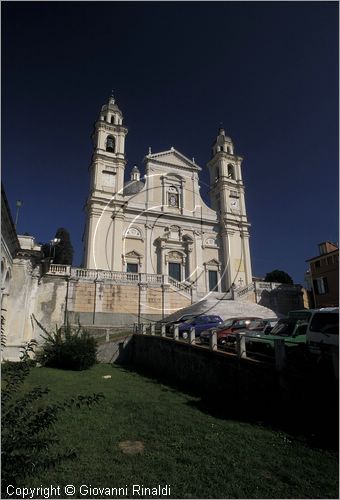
[175,271]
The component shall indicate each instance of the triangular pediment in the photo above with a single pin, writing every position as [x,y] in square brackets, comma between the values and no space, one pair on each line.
[213,262]
[133,254]
[173,158]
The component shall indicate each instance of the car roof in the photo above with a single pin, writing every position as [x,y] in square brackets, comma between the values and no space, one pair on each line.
[243,317]
[327,310]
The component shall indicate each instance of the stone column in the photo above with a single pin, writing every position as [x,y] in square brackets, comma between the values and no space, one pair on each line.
[247,261]
[200,272]
[143,290]
[148,266]
[117,248]
[226,267]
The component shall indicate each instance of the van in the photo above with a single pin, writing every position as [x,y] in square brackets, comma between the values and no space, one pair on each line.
[323,330]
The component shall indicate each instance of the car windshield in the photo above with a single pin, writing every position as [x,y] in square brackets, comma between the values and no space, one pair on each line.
[199,319]
[185,318]
[213,319]
[327,323]
[227,323]
[284,328]
[256,324]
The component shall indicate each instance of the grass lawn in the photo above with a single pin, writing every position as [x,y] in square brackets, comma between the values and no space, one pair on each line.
[198,455]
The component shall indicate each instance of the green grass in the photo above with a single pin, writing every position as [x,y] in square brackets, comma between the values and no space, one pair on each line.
[198,455]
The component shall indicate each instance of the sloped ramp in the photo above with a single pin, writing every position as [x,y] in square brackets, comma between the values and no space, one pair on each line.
[224,308]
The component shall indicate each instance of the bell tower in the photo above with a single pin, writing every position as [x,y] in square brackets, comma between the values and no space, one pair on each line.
[228,199]
[104,206]
[108,160]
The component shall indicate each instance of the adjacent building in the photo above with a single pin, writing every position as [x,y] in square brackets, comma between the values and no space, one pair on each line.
[323,275]
[9,249]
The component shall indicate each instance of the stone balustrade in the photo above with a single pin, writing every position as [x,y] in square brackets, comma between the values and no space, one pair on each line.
[59,269]
[240,292]
[101,275]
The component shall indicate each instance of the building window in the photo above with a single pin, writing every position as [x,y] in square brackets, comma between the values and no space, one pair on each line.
[217,173]
[221,148]
[175,271]
[131,267]
[110,144]
[231,174]
[317,264]
[320,286]
[322,249]
[212,280]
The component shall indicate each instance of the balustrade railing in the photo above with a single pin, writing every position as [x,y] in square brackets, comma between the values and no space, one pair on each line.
[60,269]
[240,292]
[115,276]
[183,287]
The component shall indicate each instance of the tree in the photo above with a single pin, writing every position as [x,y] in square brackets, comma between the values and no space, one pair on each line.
[63,251]
[277,276]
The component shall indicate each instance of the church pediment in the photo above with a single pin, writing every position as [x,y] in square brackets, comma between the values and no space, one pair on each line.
[173,158]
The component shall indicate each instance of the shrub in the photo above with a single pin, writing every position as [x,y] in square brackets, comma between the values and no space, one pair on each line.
[26,428]
[68,349]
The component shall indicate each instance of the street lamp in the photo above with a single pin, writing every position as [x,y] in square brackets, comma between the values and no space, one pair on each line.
[18,205]
[53,244]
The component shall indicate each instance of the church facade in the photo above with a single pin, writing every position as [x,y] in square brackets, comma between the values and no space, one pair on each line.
[159,224]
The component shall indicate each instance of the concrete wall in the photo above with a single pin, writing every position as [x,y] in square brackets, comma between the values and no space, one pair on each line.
[282,298]
[207,373]
[242,388]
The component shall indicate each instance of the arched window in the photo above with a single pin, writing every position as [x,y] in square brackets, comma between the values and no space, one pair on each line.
[112,119]
[231,173]
[217,173]
[221,148]
[110,144]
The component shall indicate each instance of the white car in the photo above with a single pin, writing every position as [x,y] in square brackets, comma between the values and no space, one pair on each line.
[323,330]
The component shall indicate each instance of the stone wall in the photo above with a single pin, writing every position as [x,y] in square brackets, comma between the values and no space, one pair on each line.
[51,299]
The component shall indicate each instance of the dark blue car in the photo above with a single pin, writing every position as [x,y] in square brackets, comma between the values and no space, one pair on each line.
[200,323]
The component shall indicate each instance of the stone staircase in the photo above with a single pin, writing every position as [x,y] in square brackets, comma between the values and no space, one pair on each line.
[221,305]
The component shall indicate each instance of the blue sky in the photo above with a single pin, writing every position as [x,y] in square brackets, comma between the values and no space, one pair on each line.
[267,70]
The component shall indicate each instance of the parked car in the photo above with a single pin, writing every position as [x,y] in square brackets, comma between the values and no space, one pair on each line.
[323,330]
[228,327]
[260,327]
[200,323]
[169,324]
[291,330]
[186,317]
